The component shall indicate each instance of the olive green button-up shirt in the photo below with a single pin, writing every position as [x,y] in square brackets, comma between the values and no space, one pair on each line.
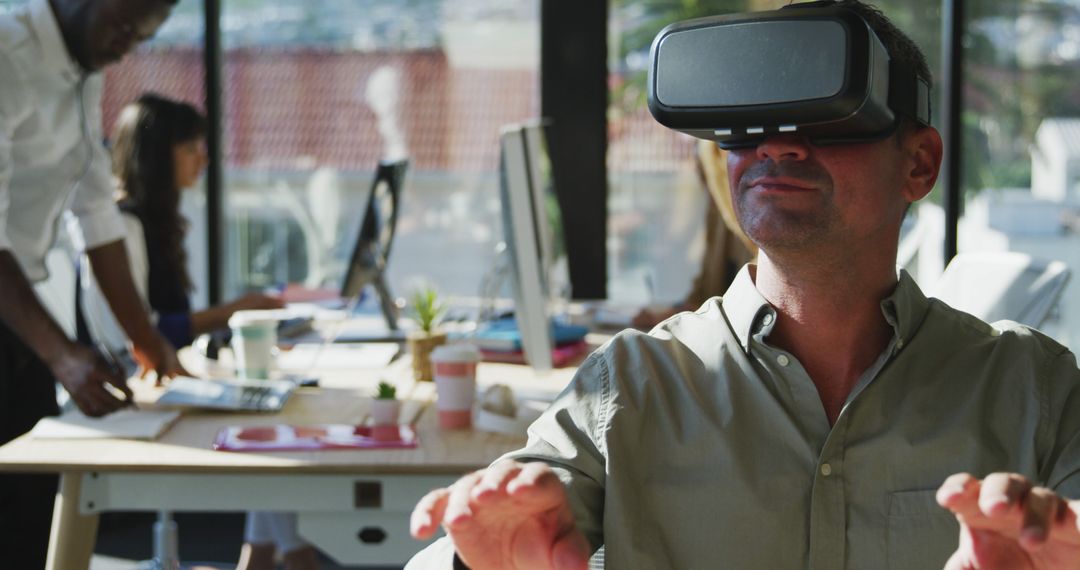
[699,445]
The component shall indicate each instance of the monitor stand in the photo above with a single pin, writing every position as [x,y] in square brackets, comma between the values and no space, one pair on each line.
[369,332]
[386,302]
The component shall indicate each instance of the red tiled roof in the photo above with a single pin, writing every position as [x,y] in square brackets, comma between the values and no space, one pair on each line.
[293,107]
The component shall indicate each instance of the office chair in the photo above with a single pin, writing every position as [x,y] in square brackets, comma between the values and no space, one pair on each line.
[1003,285]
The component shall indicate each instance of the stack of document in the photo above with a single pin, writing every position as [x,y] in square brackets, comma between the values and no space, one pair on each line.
[500,341]
[124,424]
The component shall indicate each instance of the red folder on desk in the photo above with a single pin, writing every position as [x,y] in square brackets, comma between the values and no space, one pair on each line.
[310,438]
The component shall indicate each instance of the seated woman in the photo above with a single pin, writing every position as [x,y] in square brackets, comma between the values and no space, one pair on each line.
[158,151]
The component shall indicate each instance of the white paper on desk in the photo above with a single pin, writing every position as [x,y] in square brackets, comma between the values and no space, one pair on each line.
[124,424]
[305,357]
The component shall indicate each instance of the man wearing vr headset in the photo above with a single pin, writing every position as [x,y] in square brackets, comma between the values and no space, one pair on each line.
[822,412]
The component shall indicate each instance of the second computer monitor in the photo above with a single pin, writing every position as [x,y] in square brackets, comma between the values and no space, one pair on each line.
[532,233]
[367,266]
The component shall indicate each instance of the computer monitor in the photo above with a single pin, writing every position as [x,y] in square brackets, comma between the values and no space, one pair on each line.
[548,216]
[367,266]
[531,242]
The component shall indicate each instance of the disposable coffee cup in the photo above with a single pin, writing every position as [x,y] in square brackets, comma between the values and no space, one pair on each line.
[454,369]
[253,338]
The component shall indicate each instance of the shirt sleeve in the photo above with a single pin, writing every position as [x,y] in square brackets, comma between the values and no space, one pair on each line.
[569,437]
[1062,402]
[11,99]
[98,218]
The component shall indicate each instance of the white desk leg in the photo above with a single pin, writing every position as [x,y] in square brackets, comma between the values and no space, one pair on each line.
[73,534]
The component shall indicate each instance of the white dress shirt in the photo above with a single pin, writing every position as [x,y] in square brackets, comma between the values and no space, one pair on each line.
[103,326]
[51,153]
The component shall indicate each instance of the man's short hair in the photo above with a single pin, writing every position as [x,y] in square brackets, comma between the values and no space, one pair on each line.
[900,47]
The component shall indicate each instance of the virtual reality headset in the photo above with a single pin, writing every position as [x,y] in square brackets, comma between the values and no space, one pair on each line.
[812,69]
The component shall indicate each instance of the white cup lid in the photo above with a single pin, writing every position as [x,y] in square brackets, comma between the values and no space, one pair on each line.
[254,319]
[455,353]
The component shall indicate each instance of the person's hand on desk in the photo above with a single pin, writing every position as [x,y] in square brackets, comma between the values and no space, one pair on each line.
[509,516]
[159,356]
[257,302]
[1007,523]
[84,374]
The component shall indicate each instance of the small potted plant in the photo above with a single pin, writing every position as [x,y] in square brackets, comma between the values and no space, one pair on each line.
[427,309]
[385,408]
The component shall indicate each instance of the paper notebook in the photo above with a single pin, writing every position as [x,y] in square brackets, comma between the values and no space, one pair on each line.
[124,424]
[309,438]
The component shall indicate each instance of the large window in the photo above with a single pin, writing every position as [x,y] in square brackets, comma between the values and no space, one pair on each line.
[1022,134]
[316,93]
[170,64]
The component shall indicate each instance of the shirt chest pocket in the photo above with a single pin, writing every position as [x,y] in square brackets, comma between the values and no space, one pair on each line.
[921,534]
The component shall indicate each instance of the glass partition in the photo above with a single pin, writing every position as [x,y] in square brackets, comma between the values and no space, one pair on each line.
[171,65]
[1022,136]
[316,93]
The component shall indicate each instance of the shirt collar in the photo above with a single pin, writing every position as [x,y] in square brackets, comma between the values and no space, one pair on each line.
[55,56]
[906,308]
[744,306]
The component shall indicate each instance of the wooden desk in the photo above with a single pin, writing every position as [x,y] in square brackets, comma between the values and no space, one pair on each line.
[354,505]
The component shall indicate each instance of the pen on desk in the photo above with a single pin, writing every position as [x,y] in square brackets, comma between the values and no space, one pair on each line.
[117,368]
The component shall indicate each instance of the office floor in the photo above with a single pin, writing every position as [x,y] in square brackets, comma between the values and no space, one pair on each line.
[212,539]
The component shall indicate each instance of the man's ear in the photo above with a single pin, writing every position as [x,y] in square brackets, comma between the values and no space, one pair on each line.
[923,151]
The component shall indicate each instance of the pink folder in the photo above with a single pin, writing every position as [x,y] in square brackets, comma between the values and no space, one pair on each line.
[284,437]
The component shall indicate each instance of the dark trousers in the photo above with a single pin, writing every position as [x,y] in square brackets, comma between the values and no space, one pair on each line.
[27,394]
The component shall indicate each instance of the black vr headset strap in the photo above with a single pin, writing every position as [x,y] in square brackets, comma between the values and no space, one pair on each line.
[909,94]
[817,4]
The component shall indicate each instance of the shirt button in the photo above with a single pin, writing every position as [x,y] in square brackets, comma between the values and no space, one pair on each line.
[899,344]
[826,469]
[783,360]
[766,320]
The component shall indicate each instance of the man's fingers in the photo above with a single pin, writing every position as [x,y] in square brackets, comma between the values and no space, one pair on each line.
[958,491]
[1001,492]
[1040,511]
[495,480]
[120,384]
[94,401]
[458,510]
[428,514]
[537,482]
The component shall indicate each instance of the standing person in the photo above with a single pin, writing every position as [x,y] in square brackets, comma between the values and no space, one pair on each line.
[820,414]
[158,151]
[51,160]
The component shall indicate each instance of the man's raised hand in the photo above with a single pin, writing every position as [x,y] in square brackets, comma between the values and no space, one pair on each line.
[1007,523]
[510,516]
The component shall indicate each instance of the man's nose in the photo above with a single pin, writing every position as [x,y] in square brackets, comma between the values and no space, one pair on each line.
[783,147]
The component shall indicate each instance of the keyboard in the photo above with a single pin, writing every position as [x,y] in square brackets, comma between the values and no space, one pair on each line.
[227,394]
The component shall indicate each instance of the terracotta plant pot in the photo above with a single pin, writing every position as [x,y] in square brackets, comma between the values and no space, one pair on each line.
[420,346]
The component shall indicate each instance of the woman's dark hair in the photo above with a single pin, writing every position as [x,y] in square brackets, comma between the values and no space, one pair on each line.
[142,161]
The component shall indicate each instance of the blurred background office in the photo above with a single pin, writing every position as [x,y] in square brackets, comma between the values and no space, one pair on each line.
[302,126]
